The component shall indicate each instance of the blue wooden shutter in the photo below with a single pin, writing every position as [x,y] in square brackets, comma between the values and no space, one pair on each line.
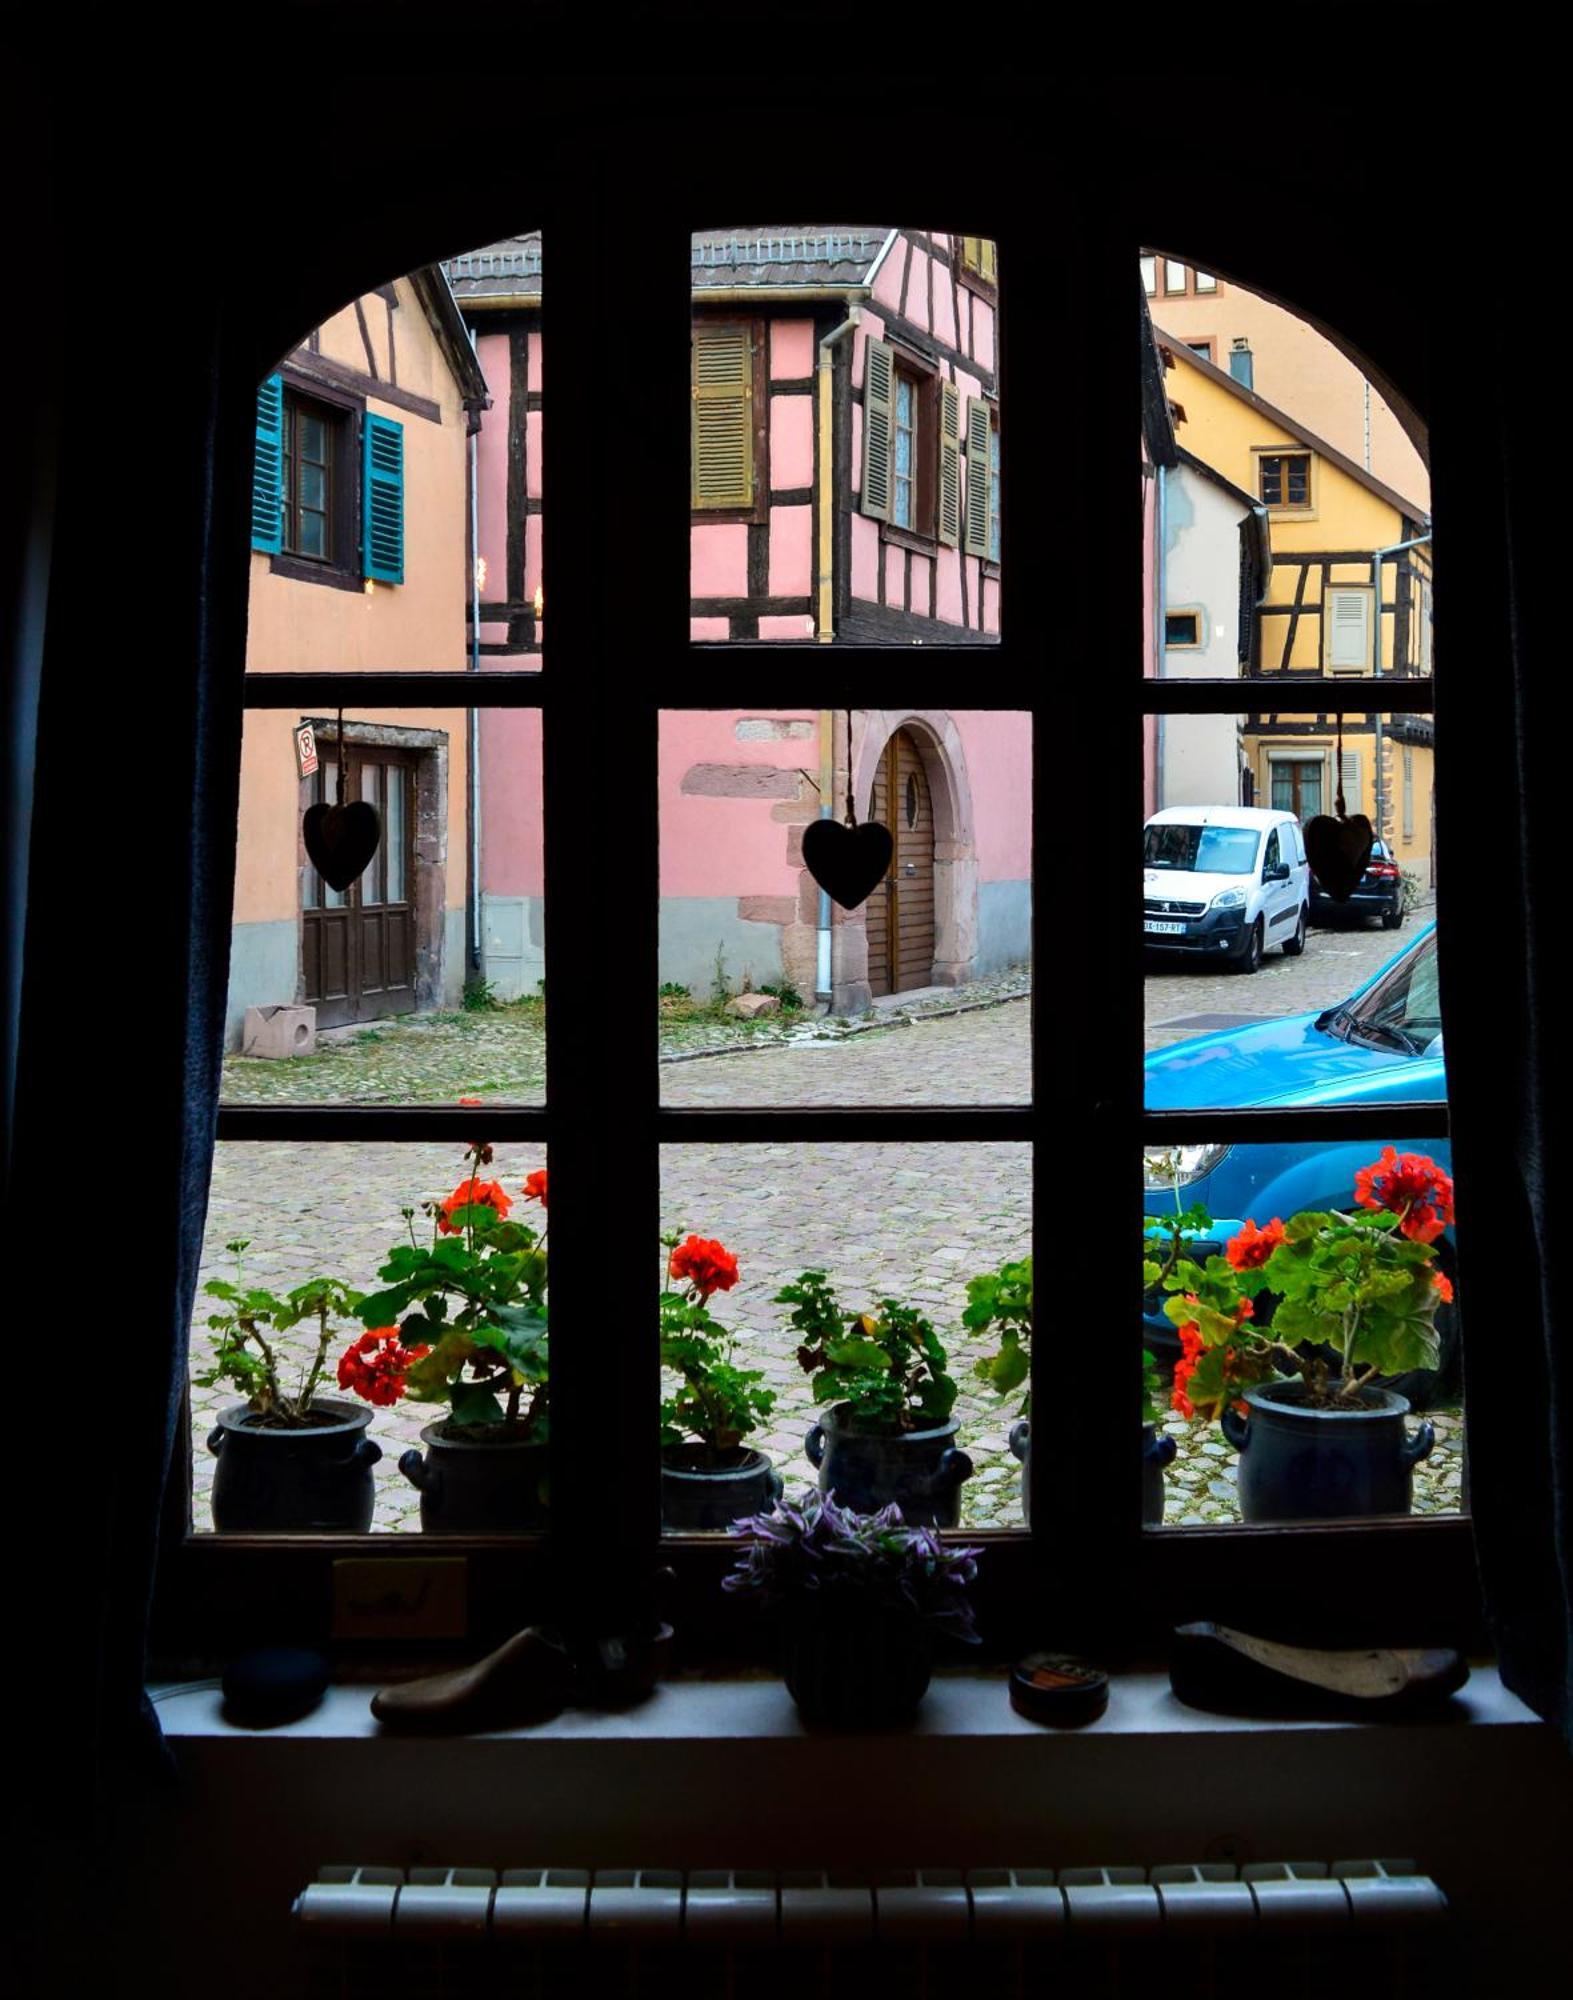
[382,501]
[267,469]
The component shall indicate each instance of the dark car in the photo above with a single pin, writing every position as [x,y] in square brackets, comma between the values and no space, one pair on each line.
[1379,893]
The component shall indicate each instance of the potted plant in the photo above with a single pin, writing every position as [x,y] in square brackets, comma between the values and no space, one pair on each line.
[1003,1298]
[1354,1299]
[287,1459]
[470,1311]
[887,1433]
[709,1476]
[861,1599]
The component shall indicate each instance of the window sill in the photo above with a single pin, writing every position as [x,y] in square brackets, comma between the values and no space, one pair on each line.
[302,570]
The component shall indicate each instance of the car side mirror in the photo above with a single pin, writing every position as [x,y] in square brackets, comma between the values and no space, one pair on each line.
[1278,874]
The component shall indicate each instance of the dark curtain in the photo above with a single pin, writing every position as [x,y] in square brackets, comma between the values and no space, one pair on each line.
[1503,840]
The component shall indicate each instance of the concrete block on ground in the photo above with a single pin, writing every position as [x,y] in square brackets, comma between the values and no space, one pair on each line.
[279,1031]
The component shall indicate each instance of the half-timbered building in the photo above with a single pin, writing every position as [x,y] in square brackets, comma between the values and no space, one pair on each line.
[844,484]
[359,508]
[1348,595]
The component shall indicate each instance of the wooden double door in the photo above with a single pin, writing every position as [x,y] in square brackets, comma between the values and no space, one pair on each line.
[899,916]
[358,944]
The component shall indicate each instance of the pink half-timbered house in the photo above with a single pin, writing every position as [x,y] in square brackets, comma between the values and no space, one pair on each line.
[844,489]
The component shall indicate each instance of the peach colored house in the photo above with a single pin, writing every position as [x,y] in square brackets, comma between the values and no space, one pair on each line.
[844,487]
[359,558]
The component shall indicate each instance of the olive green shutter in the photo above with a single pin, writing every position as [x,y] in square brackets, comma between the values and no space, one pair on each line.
[722,464]
[879,392]
[979,424]
[949,464]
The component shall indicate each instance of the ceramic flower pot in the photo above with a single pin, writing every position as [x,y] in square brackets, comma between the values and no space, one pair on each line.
[472,1488]
[852,1664]
[1158,1450]
[311,1481]
[1301,1464]
[921,1471]
[701,1499]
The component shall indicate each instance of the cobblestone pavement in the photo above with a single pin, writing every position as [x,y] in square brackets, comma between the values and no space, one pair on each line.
[885,1221]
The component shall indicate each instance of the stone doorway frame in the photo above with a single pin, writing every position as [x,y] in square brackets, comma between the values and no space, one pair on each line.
[955,846]
[430,844]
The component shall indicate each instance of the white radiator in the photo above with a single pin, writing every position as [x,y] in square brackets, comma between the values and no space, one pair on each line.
[1207,1932]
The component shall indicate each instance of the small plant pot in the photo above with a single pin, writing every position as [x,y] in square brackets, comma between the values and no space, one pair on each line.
[469,1488]
[702,1499]
[1302,1464]
[269,1480]
[1158,1450]
[850,1664]
[921,1471]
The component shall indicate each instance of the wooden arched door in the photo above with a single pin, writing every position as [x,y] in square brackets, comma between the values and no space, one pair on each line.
[900,913]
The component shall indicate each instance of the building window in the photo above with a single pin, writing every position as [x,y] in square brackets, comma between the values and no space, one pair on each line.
[1206,282]
[1182,628]
[1202,347]
[311,444]
[1285,479]
[978,255]
[1297,785]
[905,452]
[1173,278]
[1150,276]
[729,415]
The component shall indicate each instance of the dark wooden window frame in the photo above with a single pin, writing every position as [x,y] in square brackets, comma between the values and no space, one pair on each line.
[1286,506]
[341,568]
[1087,1567]
[923,537]
[759,335]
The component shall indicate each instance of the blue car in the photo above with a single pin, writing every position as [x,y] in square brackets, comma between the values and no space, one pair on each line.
[1383,1045]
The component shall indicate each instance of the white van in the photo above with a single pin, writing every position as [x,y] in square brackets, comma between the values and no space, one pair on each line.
[1225,882]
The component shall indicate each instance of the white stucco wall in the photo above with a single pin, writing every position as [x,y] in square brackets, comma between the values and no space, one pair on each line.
[1199,761]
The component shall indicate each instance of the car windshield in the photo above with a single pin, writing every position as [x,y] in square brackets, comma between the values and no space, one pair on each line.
[1402,1008]
[1202,850]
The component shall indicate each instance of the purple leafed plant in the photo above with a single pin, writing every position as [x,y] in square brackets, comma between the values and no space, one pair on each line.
[811,1544]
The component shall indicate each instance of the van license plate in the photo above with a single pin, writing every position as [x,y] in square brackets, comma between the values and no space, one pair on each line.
[1170,930]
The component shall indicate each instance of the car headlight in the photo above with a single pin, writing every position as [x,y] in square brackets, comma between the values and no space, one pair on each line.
[1229,899]
[1179,1166]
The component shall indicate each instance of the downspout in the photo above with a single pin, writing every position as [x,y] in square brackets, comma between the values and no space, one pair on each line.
[825,622]
[1160,629]
[473,772]
[1378,557]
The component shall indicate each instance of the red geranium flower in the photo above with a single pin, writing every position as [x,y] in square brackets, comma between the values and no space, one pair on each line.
[374,1366]
[709,1266]
[535,1187]
[473,1193]
[1444,1286]
[1411,1186]
[1253,1246]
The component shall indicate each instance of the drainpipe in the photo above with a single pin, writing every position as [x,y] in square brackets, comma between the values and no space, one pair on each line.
[1378,557]
[474,721]
[1160,601]
[825,624]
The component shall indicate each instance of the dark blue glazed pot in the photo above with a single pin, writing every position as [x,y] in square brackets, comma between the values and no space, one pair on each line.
[1300,1464]
[696,1499]
[920,1470]
[1158,1450]
[468,1488]
[311,1481]
[852,1664]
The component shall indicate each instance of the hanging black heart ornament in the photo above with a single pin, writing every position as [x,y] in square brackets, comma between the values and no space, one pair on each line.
[848,862]
[1338,850]
[341,840]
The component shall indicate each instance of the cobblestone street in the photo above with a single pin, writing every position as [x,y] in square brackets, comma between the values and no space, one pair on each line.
[883,1220]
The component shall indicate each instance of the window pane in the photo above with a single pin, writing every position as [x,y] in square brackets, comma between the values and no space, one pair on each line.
[420,982]
[499,290]
[1173,276]
[1213,912]
[306,1212]
[883,1224]
[1236,1446]
[1149,275]
[774,384]
[917,994]
[1325,395]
